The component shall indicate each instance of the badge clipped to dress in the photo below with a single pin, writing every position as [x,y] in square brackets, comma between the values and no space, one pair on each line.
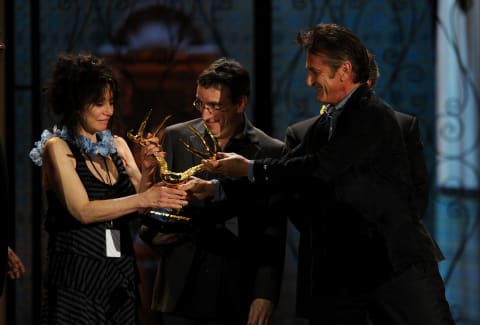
[112,242]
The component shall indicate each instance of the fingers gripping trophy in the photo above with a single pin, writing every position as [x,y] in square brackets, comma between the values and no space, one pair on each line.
[165,219]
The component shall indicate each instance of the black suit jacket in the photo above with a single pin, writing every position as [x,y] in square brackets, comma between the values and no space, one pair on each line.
[414,145]
[363,227]
[239,268]
[413,141]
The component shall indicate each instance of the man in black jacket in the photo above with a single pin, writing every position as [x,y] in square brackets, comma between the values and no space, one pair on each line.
[373,262]
[413,142]
[411,136]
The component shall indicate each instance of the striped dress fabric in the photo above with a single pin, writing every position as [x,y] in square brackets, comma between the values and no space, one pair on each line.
[82,284]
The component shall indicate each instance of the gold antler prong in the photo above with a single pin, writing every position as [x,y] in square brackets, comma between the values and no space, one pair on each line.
[214,142]
[161,125]
[138,137]
[143,125]
[207,153]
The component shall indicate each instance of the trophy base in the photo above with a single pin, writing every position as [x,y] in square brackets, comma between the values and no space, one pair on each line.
[167,221]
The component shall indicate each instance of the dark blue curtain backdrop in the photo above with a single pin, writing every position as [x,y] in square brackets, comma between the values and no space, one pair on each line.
[176,39]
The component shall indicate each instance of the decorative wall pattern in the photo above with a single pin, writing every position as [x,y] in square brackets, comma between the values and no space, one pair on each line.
[457,159]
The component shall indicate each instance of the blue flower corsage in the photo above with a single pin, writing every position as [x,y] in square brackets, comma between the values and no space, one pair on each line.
[104,147]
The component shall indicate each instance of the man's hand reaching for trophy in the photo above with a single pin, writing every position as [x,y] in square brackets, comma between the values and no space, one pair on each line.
[227,163]
[198,189]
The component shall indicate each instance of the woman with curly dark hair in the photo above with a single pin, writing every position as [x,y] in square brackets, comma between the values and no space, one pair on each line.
[94,188]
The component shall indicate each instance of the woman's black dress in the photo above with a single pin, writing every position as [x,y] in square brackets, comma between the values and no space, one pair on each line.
[83,285]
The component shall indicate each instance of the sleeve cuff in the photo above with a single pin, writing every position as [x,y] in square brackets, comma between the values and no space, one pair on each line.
[219,193]
[251,176]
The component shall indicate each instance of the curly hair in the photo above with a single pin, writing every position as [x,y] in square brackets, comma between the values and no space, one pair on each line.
[77,81]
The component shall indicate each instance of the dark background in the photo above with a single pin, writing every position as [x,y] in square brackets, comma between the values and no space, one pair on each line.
[159,47]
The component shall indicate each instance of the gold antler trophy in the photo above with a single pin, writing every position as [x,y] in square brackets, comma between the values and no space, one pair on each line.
[169,220]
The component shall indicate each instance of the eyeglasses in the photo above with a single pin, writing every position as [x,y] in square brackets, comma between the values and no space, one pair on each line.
[211,107]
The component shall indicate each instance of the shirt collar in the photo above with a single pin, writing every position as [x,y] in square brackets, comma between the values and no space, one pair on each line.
[345,99]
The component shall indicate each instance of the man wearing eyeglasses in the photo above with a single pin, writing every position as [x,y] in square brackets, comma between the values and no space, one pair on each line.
[229,268]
